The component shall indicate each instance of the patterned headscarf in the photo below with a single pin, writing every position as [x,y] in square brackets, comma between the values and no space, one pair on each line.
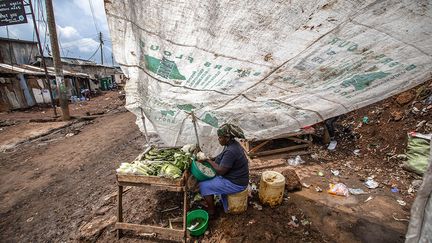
[230,130]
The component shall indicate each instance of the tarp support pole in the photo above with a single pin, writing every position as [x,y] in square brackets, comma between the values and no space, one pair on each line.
[195,128]
[144,125]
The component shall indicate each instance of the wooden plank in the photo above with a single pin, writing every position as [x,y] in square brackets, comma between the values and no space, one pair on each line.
[185,209]
[298,133]
[119,209]
[245,144]
[268,166]
[166,232]
[153,180]
[281,150]
[299,140]
[290,154]
[157,187]
[256,148]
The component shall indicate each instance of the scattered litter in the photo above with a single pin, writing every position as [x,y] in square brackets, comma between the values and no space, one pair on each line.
[148,234]
[356,152]
[332,145]
[370,183]
[291,223]
[394,189]
[406,220]
[365,120]
[318,189]
[338,189]
[356,191]
[169,209]
[70,134]
[420,124]
[253,221]
[197,198]
[411,190]
[335,172]
[320,173]
[306,185]
[296,161]
[252,188]
[305,222]
[257,206]
[29,220]
[401,202]
[192,227]
[368,199]
[294,222]
[416,184]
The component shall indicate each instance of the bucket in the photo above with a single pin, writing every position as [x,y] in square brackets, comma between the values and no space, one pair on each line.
[199,176]
[193,216]
[271,188]
[237,202]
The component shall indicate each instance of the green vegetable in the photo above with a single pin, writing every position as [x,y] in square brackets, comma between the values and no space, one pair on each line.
[170,171]
[159,162]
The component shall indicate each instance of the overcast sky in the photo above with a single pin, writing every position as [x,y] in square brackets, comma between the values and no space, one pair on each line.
[77,28]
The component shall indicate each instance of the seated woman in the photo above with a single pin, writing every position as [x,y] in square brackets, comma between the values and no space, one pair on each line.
[231,167]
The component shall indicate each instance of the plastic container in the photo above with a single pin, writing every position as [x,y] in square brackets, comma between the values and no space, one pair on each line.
[199,176]
[271,188]
[238,202]
[196,214]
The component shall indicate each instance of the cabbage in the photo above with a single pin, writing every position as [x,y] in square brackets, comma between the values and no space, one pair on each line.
[170,171]
[201,156]
[188,148]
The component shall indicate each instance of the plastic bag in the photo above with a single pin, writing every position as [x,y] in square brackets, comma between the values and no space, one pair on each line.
[297,161]
[338,189]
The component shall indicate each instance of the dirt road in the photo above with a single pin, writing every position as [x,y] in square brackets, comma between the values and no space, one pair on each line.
[50,187]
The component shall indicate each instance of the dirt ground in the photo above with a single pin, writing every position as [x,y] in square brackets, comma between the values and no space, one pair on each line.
[60,187]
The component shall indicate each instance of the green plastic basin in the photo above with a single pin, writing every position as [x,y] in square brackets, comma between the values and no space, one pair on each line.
[199,176]
[198,215]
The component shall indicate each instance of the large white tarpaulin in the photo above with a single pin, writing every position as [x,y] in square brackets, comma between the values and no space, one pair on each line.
[270,67]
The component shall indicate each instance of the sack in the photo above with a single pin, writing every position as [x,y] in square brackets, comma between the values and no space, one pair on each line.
[418,152]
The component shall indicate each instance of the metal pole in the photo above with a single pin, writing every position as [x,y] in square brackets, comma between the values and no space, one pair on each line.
[61,85]
[47,82]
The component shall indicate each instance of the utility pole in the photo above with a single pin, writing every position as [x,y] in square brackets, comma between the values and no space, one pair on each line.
[61,85]
[47,81]
[101,46]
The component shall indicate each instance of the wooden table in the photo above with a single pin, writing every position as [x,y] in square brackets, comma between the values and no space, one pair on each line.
[301,144]
[160,183]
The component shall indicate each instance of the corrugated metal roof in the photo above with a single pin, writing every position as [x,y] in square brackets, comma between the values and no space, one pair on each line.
[6,68]
[33,70]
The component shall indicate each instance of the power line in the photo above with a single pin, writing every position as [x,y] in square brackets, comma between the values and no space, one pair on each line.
[93,54]
[93,16]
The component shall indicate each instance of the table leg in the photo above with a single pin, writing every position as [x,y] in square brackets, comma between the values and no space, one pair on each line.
[119,209]
[185,209]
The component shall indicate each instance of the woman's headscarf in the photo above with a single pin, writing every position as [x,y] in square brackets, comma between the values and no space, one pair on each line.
[230,130]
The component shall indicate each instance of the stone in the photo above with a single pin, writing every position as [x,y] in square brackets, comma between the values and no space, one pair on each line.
[292,181]
[405,98]
[397,115]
